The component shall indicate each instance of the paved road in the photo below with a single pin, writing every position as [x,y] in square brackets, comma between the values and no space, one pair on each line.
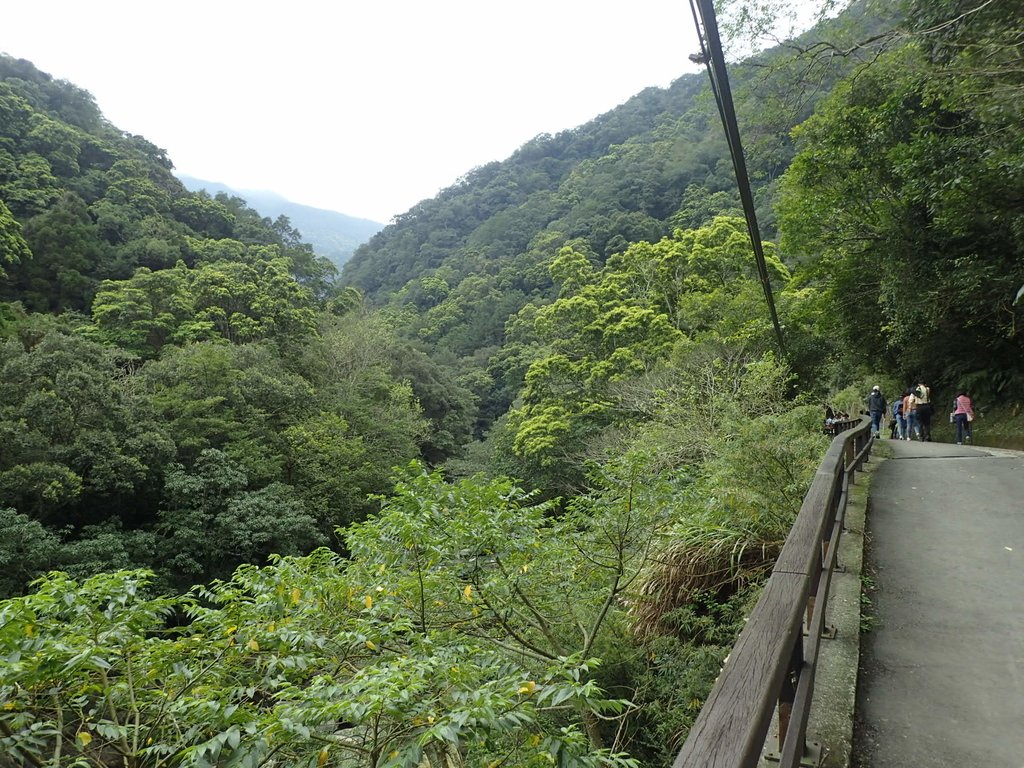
[942,674]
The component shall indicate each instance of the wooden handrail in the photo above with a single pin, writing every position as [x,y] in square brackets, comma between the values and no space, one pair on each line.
[772,665]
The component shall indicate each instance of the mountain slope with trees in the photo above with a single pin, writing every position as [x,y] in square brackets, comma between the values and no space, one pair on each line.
[333,235]
[195,416]
[454,271]
[182,385]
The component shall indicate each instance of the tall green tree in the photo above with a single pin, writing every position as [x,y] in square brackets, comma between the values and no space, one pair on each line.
[236,301]
[212,521]
[67,256]
[77,450]
[616,325]
[234,398]
[902,199]
[13,248]
[148,311]
[255,673]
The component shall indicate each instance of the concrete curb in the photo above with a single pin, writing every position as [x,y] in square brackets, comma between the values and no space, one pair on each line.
[835,688]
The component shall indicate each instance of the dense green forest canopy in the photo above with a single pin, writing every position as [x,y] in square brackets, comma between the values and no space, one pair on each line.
[190,396]
[171,361]
[658,163]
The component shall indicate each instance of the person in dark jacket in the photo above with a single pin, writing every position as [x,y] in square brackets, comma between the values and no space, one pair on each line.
[923,394]
[876,409]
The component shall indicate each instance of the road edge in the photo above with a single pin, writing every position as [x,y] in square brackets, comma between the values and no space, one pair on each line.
[832,717]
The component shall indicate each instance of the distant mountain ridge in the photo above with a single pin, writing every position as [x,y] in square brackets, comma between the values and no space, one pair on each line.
[332,234]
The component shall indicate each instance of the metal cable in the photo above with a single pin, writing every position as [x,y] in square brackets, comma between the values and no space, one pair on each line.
[712,57]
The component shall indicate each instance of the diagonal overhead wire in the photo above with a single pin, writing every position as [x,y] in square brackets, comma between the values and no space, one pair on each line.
[712,57]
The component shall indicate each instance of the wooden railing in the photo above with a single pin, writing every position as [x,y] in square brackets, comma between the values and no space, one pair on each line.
[773,663]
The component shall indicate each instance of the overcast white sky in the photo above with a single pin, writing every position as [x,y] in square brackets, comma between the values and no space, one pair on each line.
[361,107]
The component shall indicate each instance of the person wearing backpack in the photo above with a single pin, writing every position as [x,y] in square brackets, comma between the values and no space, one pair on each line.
[910,414]
[924,410]
[899,424]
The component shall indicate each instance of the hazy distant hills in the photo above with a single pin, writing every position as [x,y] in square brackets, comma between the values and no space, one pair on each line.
[332,234]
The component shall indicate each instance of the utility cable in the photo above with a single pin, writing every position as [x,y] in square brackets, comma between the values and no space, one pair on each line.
[713,58]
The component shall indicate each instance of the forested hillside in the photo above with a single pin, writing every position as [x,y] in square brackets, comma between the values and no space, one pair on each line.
[455,270]
[502,494]
[181,386]
[902,198]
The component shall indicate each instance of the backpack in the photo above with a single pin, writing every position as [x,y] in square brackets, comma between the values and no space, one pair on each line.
[897,408]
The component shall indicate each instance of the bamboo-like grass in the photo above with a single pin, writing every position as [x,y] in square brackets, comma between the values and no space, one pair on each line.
[700,557]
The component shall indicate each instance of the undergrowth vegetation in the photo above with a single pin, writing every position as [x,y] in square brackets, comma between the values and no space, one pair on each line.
[469,624]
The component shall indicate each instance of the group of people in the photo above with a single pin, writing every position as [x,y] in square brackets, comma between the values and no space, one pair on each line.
[912,414]
[834,420]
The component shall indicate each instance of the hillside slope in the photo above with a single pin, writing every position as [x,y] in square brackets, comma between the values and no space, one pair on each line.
[82,202]
[333,235]
[456,269]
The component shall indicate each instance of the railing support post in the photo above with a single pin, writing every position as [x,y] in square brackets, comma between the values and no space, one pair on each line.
[788,693]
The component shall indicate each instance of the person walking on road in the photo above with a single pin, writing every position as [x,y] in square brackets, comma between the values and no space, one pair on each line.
[894,419]
[899,423]
[963,415]
[924,411]
[910,414]
[876,408]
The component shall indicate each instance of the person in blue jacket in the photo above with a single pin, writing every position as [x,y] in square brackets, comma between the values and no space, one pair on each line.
[899,424]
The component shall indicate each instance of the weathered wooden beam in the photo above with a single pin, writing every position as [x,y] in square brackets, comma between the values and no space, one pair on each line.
[768,657]
[731,728]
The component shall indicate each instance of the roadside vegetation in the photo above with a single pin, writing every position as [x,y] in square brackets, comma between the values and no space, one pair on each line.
[502,493]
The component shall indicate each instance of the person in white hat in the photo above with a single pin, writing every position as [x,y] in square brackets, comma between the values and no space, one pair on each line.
[876,409]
